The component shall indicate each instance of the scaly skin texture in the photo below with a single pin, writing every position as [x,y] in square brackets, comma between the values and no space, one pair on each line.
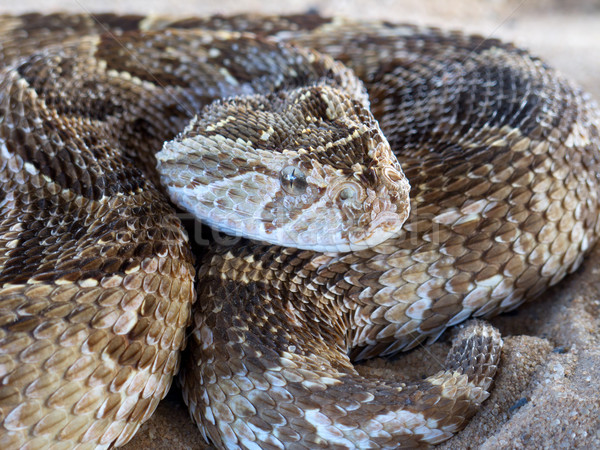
[96,269]
[502,157]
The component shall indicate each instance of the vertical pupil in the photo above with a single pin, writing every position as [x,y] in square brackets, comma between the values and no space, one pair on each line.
[293,180]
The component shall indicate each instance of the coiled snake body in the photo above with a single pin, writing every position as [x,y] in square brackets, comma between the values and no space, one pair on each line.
[98,280]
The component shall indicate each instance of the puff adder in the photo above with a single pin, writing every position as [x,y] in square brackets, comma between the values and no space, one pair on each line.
[282,144]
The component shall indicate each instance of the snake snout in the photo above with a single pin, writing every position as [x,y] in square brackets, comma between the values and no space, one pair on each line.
[379,210]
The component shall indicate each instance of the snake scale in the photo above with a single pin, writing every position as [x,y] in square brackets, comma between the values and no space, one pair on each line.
[282,145]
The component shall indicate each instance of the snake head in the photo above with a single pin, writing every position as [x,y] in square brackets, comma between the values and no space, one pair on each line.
[308,168]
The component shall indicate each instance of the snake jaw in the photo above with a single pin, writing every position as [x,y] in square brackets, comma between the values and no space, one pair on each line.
[335,212]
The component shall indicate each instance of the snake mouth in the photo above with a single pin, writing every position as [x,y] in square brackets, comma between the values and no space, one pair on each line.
[350,216]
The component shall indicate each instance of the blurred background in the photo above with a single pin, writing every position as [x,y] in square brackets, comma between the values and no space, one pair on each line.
[565,32]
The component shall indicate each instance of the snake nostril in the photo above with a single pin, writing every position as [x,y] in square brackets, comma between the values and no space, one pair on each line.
[348,194]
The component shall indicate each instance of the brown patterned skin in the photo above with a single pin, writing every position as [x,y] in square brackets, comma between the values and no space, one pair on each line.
[502,156]
[95,268]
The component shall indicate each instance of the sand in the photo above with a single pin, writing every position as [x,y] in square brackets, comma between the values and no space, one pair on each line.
[547,394]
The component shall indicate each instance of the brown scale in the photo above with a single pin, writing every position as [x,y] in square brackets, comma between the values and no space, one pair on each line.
[502,156]
[510,132]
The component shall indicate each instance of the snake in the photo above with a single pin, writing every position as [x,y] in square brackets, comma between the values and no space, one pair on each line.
[366,186]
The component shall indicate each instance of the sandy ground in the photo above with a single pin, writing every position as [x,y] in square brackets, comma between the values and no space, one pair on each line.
[547,394]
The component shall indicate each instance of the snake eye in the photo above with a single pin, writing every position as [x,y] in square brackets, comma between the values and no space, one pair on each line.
[293,180]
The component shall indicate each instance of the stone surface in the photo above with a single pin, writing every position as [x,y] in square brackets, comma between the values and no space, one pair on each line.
[547,394]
